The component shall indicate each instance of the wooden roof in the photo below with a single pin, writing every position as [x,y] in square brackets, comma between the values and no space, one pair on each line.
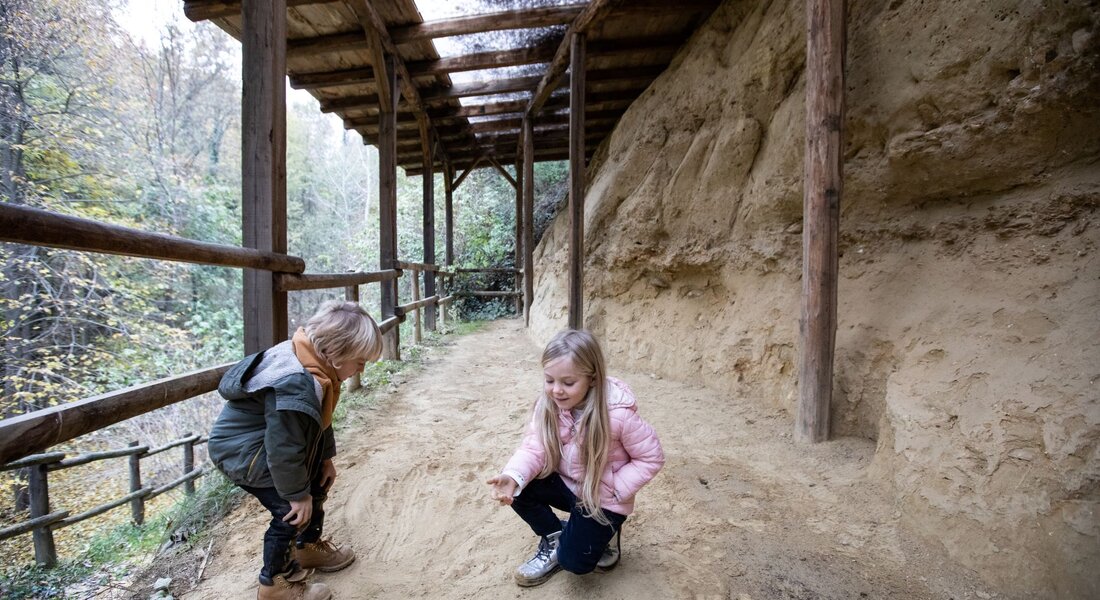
[335,46]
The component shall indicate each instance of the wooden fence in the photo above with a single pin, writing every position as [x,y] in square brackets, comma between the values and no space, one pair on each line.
[43,522]
[25,439]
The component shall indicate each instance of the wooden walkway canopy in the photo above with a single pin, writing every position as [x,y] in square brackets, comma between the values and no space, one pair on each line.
[335,49]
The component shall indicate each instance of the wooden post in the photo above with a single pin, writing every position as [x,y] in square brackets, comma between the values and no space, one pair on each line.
[137,505]
[417,336]
[443,292]
[188,465]
[576,181]
[263,165]
[45,552]
[821,214]
[517,259]
[449,217]
[528,219]
[387,208]
[428,178]
[351,294]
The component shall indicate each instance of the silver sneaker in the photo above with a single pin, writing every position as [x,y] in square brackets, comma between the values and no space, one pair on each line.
[542,565]
[611,554]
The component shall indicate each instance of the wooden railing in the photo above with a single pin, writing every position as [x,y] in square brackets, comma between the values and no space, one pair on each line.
[516,293]
[42,522]
[25,438]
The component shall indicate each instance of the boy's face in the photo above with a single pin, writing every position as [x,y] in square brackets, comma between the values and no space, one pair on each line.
[349,367]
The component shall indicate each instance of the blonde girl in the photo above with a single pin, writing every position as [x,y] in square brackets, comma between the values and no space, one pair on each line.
[586,452]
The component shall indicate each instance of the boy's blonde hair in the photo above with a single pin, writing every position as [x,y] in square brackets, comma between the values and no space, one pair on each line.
[593,425]
[342,331]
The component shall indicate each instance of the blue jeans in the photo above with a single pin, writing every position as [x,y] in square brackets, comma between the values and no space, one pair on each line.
[280,534]
[583,539]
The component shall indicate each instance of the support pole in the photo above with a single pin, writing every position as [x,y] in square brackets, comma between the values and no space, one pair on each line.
[351,294]
[188,465]
[576,181]
[428,178]
[263,165]
[528,219]
[45,552]
[449,217]
[387,209]
[137,505]
[821,214]
[518,257]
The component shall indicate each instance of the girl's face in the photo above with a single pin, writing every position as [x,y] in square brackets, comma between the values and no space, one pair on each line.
[349,367]
[565,385]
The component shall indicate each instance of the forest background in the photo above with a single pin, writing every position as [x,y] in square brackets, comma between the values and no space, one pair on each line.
[146,134]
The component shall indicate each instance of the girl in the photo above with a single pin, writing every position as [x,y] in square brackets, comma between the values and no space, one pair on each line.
[586,452]
[274,440]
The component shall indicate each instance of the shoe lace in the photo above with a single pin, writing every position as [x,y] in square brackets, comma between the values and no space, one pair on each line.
[325,546]
[545,549]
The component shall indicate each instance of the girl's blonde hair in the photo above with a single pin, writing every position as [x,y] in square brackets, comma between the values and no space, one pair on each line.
[593,424]
[342,331]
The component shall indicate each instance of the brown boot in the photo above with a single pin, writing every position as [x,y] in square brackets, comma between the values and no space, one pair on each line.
[282,589]
[323,556]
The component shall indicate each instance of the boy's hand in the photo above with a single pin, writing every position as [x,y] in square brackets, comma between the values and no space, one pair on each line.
[300,511]
[503,489]
[328,473]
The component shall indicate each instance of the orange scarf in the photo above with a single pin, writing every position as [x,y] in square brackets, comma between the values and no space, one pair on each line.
[322,370]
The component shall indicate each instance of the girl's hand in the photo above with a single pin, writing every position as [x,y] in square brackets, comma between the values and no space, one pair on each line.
[301,511]
[328,473]
[503,489]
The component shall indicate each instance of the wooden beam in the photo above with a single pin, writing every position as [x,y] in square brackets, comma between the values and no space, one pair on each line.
[263,167]
[825,40]
[509,19]
[37,227]
[387,210]
[428,181]
[449,213]
[506,174]
[517,258]
[528,220]
[202,10]
[466,173]
[576,180]
[34,432]
[375,27]
[593,13]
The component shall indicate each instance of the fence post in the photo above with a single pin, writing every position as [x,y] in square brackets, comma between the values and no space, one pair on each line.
[416,298]
[441,290]
[45,552]
[137,505]
[351,294]
[188,465]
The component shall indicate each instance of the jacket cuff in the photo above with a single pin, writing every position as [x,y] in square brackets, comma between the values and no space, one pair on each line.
[519,479]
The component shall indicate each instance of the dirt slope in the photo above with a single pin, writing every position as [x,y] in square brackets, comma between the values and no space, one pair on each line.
[738,512]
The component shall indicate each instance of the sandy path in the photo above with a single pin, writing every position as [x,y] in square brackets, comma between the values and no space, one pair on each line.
[738,512]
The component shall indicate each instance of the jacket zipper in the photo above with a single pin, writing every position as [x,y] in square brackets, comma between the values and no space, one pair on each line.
[248,475]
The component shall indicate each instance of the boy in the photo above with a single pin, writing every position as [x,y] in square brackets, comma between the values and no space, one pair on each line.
[274,439]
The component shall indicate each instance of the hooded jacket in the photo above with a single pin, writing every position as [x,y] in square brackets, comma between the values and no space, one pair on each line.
[269,433]
[634,455]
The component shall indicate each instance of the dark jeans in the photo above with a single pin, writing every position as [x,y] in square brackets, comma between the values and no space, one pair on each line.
[583,539]
[280,534]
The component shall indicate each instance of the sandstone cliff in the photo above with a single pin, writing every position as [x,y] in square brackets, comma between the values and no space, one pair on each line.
[969,318]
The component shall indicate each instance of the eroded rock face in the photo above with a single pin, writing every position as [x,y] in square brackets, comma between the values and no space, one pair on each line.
[969,318]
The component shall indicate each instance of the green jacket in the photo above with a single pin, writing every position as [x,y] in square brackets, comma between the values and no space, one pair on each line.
[269,432]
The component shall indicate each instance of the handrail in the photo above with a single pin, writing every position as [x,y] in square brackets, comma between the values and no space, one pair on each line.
[288,282]
[390,323]
[492,294]
[405,309]
[84,459]
[34,432]
[491,270]
[414,266]
[37,227]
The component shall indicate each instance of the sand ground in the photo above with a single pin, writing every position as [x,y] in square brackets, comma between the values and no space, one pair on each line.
[740,511]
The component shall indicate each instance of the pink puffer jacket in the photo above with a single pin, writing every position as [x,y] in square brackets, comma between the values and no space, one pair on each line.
[634,458]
